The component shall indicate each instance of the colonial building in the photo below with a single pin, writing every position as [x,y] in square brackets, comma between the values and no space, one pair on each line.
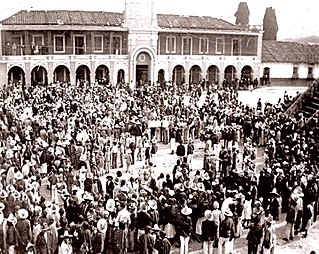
[137,45]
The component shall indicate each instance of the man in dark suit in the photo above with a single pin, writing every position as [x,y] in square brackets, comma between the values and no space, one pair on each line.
[45,240]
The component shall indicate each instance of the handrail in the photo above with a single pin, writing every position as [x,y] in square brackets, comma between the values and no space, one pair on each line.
[313,116]
[292,110]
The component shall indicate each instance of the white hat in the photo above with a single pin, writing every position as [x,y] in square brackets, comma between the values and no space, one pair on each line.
[18,175]
[66,234]
[186,210]
[23,213]
[201,186]
[110,205]
[102,225]
[228,212]
[152,204]
[208,215]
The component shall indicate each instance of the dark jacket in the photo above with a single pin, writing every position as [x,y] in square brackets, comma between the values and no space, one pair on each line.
[180,150]
[255,234]
[209,231]
[227,228]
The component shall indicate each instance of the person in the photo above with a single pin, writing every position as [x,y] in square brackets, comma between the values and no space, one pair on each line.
[45,240]
[209,232]
[146,242]
[162,244]
[268,243]
[66,245]
[226,232]
[23,228]
[254,235]
[180,151]
[184,229]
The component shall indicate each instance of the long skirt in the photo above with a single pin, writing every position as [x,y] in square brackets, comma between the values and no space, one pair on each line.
[199,225]
[173,147]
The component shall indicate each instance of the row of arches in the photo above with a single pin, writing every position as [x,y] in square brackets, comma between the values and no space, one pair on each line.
[39,75]
[212,74]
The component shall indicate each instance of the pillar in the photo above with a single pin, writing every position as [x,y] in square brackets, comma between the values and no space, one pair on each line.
[27,75]
[50,73]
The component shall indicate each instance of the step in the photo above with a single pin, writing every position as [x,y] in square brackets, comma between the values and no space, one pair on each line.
[309,109]
[306,114]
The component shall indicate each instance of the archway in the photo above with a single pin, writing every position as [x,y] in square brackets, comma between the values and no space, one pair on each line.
[121,76]
[102,74]
[161,76]
[230,73]
[61,74]
[246,73]
[178,75]
[143,68]
[195,74]
[16,75]
[82,75]
[212,74]
[39,76]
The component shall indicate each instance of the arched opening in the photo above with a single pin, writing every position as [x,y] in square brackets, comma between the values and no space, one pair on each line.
[39,76]
[212,74]
[247,73]
[178,75]
[195,75]
[121,77]
[61,74]
[230,73]
[102,75]
[143,68]
[82,75]
[161,76]
[16,75]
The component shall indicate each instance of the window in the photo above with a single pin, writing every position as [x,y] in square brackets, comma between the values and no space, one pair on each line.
[79,44]
[117,44]
[235,47]
[187,46]
[59,44]
[295,74]
[37,43]
[310,73]
[203,45]
[98,43]
[219,45]
[170,44]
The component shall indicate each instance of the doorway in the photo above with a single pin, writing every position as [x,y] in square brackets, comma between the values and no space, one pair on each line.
[142,74]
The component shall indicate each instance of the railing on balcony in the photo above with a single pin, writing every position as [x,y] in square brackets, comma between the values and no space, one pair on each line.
[294,108]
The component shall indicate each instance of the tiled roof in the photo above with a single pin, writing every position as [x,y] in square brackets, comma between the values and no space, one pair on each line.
[194,22]
[289,52]
[96,18]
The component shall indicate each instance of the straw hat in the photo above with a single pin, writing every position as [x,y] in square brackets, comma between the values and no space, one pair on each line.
[194,187]
[23,213]
[18,175]
[209,215]
[3,194]
[102,225]
[171,193]
[152,204]
[10,188]
[143,207]
[12,219]
[66,234]
[2,206]
[206,176]
[201,186]
[110,205]
[29,246]
[186,211]
[228,212]
[156,228]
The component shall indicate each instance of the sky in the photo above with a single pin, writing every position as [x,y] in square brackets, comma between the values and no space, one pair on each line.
[295,18]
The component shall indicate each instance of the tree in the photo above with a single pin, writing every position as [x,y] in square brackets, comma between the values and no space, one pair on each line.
[242,14]
[270,25]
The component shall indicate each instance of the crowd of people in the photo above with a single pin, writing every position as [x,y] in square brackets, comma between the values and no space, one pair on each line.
[67,156]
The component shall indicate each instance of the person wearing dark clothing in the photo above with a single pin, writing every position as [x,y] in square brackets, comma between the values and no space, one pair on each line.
[254,236]
[184,229]
[180,151]
[209,232]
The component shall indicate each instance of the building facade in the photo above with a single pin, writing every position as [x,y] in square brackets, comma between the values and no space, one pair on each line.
[138,46]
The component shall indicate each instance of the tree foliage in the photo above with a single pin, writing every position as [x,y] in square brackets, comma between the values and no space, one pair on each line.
[242,14]
[270,25]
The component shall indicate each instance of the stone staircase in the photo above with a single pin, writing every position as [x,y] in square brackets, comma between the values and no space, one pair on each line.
[311,105]
[307,103]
